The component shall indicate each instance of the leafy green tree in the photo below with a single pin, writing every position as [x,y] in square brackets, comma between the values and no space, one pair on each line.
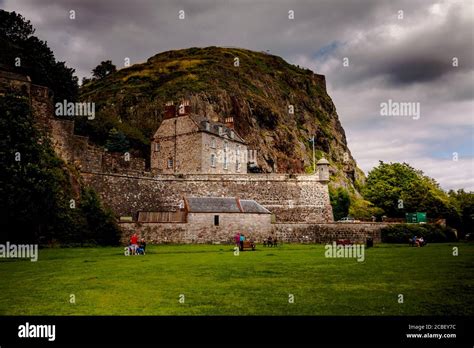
[34,192]
[361,209]
[117,141]
[340,202]
[398,188]
[24,53]
[101,222]
[38,203]
[464,202]
[103,69]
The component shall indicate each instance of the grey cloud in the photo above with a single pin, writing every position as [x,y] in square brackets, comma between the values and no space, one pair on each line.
[416,66]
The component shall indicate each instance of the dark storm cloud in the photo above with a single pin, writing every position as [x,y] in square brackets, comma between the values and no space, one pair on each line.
[422,56]
[139,29]
[408,59]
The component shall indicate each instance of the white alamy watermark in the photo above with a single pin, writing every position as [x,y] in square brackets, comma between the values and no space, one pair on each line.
[404,109]
[37,331]
[66,108]
[356,251]
[20,251]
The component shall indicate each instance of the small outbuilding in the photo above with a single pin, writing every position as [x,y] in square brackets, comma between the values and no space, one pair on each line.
[227,216]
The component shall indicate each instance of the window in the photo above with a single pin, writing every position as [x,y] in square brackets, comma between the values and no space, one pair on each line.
[220,130]
[213,160]
[157,147]
[213,143]
[170,162]
[225,161]
[216,220]
[237,158]
[226,145]
[207,126]
[232,134]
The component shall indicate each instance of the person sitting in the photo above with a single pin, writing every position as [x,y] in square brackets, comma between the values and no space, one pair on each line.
[141,247]
[421,241]
[275,241]
[134,243]
[252,242]
[413,241]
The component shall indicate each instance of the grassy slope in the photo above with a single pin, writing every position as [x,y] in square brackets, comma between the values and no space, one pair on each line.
[215,282]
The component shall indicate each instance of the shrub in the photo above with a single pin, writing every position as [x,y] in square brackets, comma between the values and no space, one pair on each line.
[432,233]
[340,202]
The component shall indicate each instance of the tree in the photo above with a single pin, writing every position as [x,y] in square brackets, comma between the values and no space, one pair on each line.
[103,69]
[101,222]
[361,209]
[340,202]
[464,202]
[35,194]
[398,188]
[117,141]
[38,204]
[24,53]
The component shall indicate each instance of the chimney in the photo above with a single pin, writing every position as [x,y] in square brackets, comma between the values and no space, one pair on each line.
[229,122]
[184,108]
[170,110]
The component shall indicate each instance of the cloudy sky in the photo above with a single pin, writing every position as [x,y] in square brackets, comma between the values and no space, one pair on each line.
[370,51]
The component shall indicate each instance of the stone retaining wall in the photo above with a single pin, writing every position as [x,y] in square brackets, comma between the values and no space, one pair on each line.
[291,198]
[328,232]
[258,229]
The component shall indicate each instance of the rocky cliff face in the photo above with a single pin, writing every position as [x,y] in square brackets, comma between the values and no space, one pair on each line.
[277,107]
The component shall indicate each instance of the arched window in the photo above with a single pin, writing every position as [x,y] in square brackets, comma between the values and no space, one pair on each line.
[213,160]
[213,143]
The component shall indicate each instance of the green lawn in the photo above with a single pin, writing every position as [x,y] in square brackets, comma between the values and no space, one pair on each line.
[215,282]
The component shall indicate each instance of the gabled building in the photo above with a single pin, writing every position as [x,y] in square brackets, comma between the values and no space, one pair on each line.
[208,220]
[187,143]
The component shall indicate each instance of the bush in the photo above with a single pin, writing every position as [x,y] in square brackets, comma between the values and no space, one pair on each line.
[340,202]
[430,232]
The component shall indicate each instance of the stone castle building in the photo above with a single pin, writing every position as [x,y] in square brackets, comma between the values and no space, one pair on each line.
[205,161]
[187,142]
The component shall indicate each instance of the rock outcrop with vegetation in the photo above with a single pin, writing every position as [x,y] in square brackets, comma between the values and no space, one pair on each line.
[258,93]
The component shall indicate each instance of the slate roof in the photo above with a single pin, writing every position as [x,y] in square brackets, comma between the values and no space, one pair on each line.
[214,128]
[223,205]
[250,206]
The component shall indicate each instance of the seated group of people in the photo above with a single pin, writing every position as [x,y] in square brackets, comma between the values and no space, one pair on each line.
[270,241]
[418,242]
[137,247]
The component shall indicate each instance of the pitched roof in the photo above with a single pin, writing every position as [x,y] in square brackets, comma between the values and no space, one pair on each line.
[223,205]
[214,128]
[250,206]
